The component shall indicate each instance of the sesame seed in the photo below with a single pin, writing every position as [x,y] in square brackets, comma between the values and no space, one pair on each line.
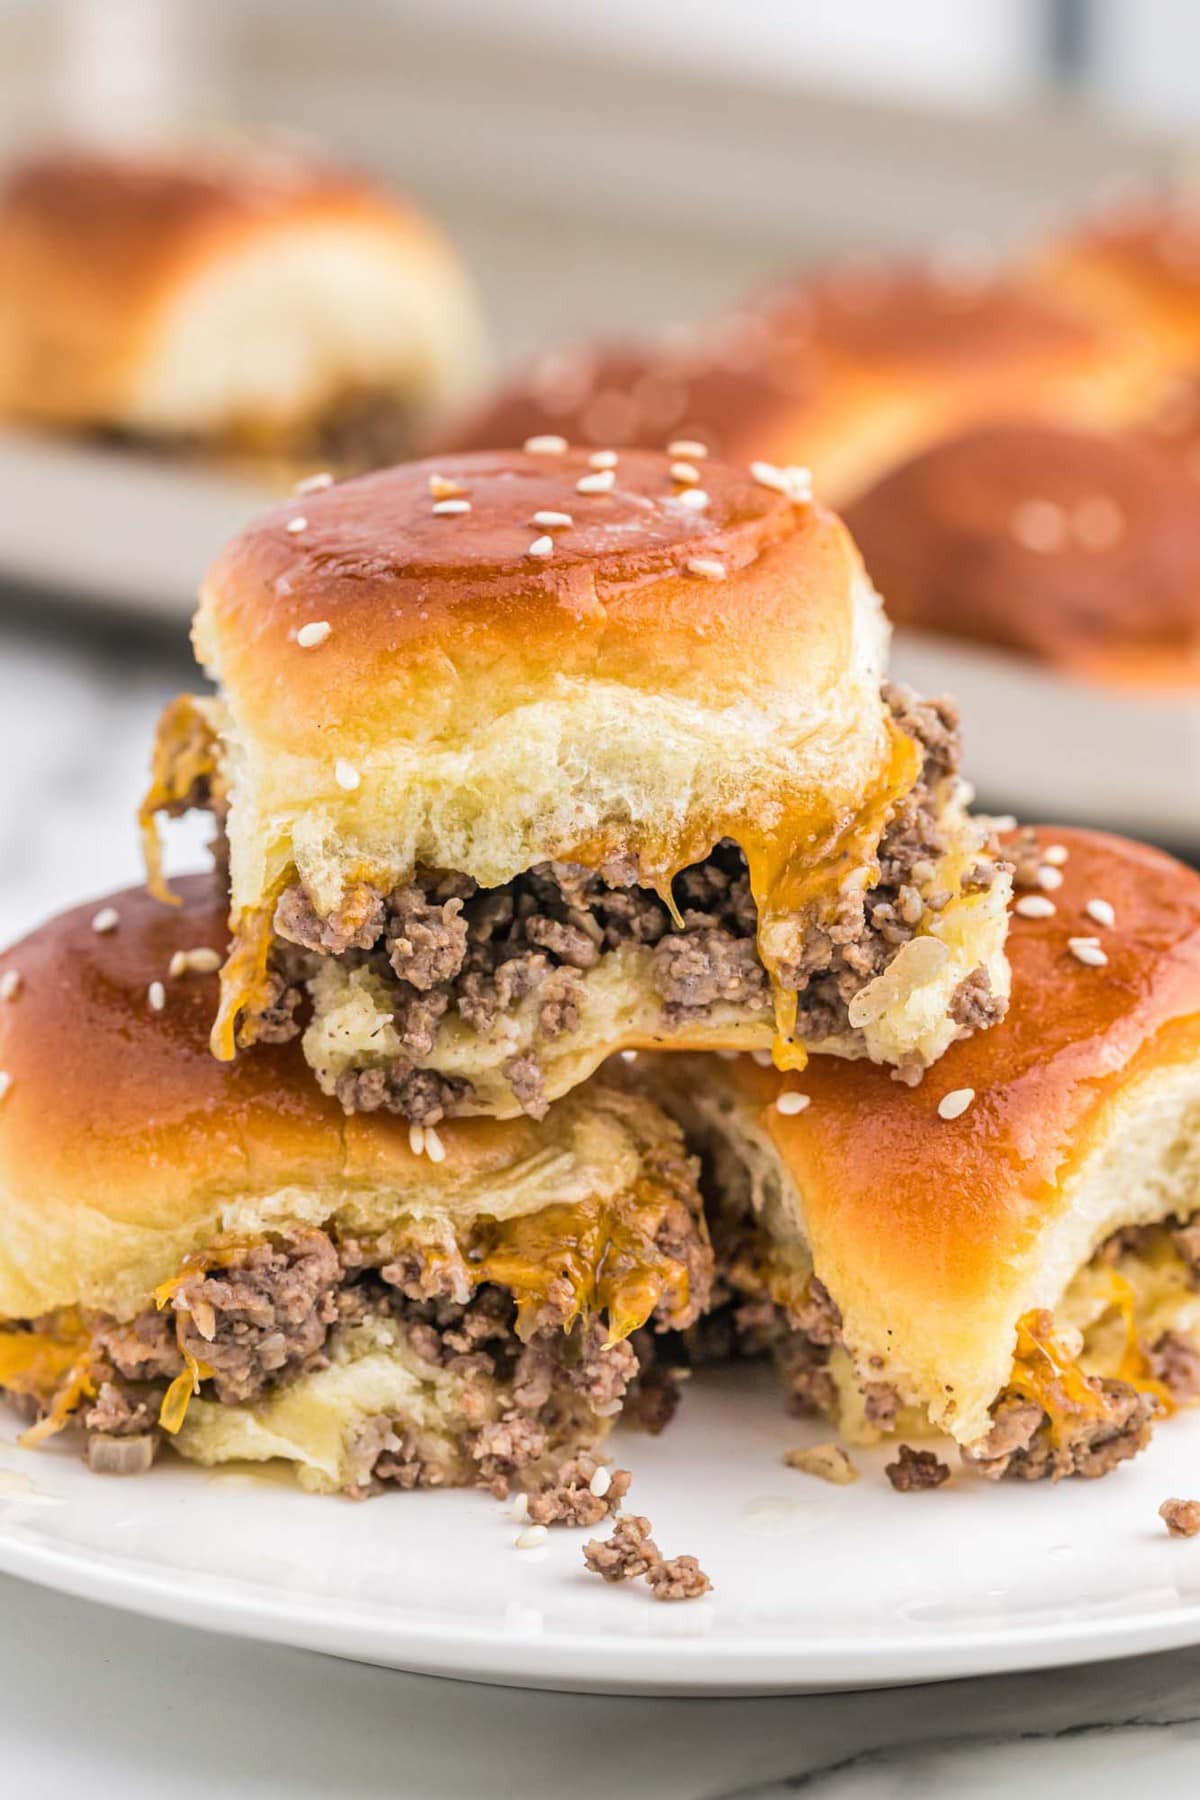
[763,1058]
[727,1055]
[203,961]
[531,1537]
[1102,911]
[299,523]
[435,1150]
[541,547]
[1056,855]
[629,1056]
[695,499]
[552,521]
[684,472]
[156,994]
[177,965]
[5,1082]
[955,1103]
[451,509]
[602,482]
[442,488]
[603,459]
[520,1508]
[795,481]
[309,636]
[1049,877]
[314,484]
[708,567]
[687,447]
[791,1103]
[600,1483]
[416,1139]
[1039,525]
[1035,906]
[546,445]
[10,984]
[346,775]
[106,920]
[768,476]
[1087,950]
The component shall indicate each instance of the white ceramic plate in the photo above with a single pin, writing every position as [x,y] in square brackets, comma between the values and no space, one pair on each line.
[116,527]
[815,1586]
[1055,749]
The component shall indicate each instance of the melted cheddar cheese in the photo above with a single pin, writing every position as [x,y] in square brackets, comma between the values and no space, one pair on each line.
[184,762]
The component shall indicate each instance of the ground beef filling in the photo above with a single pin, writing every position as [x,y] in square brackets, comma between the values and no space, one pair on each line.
[440,944]
[264,1316]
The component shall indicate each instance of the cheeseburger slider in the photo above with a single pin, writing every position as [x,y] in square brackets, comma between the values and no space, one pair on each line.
[1010,1252]
[218,1258]
[249,303]
[1080,549]
[846,371]
[1135,266]
[529,757]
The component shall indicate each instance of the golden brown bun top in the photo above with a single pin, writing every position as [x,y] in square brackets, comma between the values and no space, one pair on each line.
[722,392]
[1138,264]
[454,609]
[936,1208]
[915,318]
[1077,547]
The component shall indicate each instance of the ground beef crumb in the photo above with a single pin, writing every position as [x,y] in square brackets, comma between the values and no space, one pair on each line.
[631,1553]
[569,1500]
[1181,1517]
[680,1578]
[973,1005]
[916,1469]
[628,1553]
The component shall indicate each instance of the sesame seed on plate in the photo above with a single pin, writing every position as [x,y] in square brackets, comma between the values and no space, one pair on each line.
[708,567]
[299,523]
[601,1482]
[314,484]
[545,445]
[10,984]
[1055,854]
[5,1082]
[541,547]
[552,521]
[684,472]
[695,499]
[790,1103]
[106,920]
[602,482]
[443,488]
[156,994]
[690,447]
[346,775]
[309,636]
[1049,877]
[1035,906]
[603,459]
[416,1139]
[1087,950]
[531,1537]
[1102,911]
[451,509]
[955,1103]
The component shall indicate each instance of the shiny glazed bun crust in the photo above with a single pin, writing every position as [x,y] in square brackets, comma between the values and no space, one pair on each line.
[124,1145]
[682,662]
[1080,548]
[1137,267]
[216,292]
[935,1234]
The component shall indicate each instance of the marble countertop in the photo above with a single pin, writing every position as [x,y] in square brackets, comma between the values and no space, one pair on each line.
[93,1701]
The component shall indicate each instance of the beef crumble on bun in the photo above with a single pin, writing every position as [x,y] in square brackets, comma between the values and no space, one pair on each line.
[246,301]
[218,1258]
[527,757]
[1009,1253]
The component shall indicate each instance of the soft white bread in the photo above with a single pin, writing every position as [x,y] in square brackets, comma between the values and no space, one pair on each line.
[238,298]
[420,669]
[936,1228]
[124,1146]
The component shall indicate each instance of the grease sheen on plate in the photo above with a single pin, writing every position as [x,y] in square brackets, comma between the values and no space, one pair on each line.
[815,1586]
